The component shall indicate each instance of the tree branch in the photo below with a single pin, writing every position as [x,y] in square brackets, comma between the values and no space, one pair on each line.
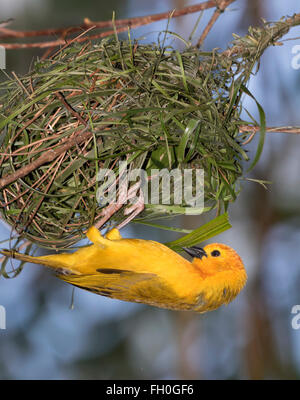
[121,26]
[221,5]
[283,129]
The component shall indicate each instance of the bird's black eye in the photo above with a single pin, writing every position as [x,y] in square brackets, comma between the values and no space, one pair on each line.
[215,253]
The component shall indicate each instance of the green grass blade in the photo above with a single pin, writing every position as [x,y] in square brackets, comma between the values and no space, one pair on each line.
[164,227]
[191,126]
[206,231]
[262,134]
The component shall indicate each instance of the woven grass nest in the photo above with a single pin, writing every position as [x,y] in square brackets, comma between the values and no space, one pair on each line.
[153,106]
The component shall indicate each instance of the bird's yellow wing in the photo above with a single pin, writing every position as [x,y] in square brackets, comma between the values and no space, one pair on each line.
[131,286]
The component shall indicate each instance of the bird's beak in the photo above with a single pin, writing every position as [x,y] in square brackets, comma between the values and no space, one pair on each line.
[195,251]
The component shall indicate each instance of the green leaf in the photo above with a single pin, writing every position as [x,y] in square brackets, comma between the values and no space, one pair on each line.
[160,159]
[176,210]
[262,133]
[182,71]
[164,227]
[207,231]
[24,107]
[191,126]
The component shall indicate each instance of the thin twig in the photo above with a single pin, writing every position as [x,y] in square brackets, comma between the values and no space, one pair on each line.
[61,97]
[61,42]
[121,25]
[46,157]
[221,5]
[254,129]
[283,129]
[144,20]
[278,31]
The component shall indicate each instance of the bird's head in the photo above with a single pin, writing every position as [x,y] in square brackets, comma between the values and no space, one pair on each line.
[215,257]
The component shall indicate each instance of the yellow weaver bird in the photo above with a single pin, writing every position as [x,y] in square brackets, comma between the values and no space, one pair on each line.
[145,271]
